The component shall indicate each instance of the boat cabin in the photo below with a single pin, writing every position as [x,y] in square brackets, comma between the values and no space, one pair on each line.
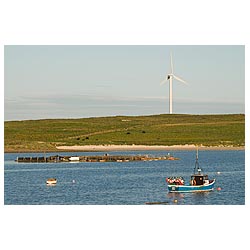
[199,179]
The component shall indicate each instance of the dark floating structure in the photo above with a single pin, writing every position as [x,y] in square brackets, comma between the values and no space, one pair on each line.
[157,203]
[94,158]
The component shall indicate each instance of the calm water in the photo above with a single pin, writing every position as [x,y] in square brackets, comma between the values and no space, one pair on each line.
[124,183]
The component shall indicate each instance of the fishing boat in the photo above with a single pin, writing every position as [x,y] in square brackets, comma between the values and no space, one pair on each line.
[199,182]
[51,181]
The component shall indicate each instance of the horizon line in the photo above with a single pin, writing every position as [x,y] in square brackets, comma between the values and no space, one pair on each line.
[110,116]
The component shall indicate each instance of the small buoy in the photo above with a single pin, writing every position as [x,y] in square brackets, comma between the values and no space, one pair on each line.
[73,181]
[218,189]
[218,172]
[175,200]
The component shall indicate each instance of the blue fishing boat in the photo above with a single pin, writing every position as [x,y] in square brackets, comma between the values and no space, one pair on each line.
[199,182]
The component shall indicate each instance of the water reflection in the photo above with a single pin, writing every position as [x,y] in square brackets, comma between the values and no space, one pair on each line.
[176,198]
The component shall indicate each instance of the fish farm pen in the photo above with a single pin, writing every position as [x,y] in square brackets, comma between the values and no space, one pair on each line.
[94,158]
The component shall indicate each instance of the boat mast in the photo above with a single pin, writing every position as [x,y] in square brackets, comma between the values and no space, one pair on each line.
[197,163]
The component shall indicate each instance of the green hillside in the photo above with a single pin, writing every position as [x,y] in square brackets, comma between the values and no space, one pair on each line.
[209,130]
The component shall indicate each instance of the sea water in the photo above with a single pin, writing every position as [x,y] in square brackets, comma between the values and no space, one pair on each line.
[124,183]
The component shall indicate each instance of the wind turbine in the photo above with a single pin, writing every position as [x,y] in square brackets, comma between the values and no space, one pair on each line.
[170,77]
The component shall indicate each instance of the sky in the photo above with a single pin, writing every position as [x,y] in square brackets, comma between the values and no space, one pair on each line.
[88,81]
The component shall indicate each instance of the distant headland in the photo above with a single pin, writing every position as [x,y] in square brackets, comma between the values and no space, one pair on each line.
[118,133]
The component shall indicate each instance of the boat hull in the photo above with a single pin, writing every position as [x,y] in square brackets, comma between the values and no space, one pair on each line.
[51,181]
[190,188]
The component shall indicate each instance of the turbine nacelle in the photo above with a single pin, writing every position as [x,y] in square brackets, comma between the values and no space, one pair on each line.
[173,76]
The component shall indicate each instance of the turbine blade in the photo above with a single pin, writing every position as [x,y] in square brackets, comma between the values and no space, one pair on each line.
[171,59]
[163,82]
[179,79]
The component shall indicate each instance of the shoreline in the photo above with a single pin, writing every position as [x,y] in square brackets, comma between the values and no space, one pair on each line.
[94,148]
[105,148]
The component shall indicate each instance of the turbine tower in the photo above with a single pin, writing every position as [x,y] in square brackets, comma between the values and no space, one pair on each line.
[170,77]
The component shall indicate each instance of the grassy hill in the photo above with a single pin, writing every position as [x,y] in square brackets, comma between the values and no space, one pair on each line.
[209,130]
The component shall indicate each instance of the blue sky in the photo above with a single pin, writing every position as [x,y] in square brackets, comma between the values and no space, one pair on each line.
[86,81]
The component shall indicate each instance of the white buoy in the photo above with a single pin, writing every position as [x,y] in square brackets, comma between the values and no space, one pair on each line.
[73,181]
[218,172]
